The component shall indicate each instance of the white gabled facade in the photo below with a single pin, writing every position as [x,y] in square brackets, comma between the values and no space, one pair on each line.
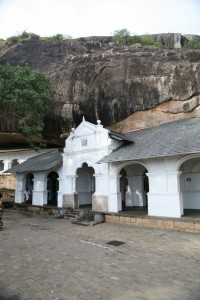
[85,146]
[166,186]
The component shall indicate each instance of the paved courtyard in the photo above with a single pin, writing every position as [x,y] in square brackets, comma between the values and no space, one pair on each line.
[42,257]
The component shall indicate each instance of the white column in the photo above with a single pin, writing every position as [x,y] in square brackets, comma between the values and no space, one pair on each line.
[100,197]
[69,196]
[60,195]
[164,197]
[115,197]
[7,164]
[40,189]
[20,188]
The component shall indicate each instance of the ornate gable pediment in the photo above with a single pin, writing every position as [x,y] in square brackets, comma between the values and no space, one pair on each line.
[87,137]
[85,128]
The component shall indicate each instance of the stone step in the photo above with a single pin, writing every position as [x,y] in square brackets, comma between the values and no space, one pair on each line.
[71,216]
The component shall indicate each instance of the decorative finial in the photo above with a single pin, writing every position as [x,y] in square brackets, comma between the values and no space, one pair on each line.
[83,119]
[98,122]
[72,131]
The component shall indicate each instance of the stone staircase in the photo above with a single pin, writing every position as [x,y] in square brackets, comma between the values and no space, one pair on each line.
[72,214]
[81,217]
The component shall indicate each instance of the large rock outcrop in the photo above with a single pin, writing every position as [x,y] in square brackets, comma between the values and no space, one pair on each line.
[101,81]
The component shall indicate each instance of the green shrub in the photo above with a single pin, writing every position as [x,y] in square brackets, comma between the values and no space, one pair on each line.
[12,40]
[81,39]
[123,38]
[25,35]
[193,43]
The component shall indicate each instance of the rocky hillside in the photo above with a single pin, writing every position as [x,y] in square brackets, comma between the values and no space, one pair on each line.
[125,87]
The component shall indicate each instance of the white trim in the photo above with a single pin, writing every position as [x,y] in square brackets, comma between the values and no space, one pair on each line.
[185,158]
[132,162]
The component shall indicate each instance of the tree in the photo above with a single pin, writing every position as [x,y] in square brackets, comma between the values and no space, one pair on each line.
[25,93]
[23,36]
[121,37]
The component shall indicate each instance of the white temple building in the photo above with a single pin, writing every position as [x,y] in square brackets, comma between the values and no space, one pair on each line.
[157,168]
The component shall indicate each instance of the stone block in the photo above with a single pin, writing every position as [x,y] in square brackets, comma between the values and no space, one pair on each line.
[70,200]
[197,227]
[100,203]
[122,219]
[116,219]
[108,218]
[183,226]
[165,224]
[127,220]
[7,182]
[132,219]
[99,217]
[139,222]
[150,223]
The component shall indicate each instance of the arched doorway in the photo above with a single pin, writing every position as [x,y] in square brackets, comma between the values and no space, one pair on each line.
[190,184]
[52,187]
[123,187]
[85,184]
[29,184]
[134,186]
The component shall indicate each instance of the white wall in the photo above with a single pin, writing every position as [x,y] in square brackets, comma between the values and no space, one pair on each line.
[190,183]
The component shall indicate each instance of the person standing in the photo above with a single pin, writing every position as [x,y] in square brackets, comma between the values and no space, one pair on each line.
[27,196]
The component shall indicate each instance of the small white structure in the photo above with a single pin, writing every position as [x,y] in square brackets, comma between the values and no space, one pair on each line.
[157,168]
[10,158]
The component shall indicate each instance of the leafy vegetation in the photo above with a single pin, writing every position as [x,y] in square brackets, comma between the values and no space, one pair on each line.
[123,38]
[194,42]
[25,35]
[57,37]
[26,93]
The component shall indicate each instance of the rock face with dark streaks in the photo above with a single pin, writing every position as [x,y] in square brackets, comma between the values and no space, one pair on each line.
[101,81]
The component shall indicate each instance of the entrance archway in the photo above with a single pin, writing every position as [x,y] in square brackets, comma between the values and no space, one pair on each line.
[134,186]
[190,184]
[29,183]
[52,187]
[85,184]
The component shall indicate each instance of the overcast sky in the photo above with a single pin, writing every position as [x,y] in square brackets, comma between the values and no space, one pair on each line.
[98,17]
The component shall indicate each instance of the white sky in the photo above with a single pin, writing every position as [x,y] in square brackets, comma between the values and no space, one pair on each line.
[98,17]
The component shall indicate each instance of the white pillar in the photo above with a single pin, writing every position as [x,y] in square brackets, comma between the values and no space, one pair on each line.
[40,189]
[70,197]
[59,193]
[20,188]
[100,198]
[7,164]
[115,197]
[164,197]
